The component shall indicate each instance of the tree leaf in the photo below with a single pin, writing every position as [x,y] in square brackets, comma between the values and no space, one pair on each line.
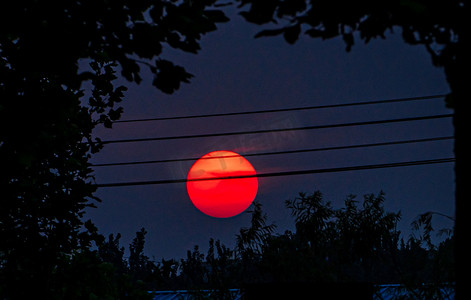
[291,34]
[169,76]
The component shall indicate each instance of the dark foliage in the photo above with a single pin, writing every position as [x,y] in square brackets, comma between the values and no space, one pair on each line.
[46,142]
[354,245]
[429,23]
[46,124]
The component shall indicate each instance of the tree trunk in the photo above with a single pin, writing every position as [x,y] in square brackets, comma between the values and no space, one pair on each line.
[458,78]
[462,261]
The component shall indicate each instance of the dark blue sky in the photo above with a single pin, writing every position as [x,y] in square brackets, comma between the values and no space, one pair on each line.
[235,72]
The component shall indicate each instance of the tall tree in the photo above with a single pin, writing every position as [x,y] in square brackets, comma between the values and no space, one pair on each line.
[46,124]
[352,244]
[441,26]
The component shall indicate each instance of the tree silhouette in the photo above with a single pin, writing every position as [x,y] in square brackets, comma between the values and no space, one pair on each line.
[111,252]
[335,245]
[349,247]
[440,26]
[250,240]
[46,124]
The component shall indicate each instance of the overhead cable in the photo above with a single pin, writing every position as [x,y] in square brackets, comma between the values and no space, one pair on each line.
[205,135]
[284,109]
[287,173]
[279,152]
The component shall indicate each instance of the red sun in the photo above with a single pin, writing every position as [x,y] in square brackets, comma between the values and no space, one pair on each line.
[222,198]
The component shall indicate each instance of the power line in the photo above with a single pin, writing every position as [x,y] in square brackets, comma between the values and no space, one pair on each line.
[430,117]
[284,109]
[287,173]
[280,152]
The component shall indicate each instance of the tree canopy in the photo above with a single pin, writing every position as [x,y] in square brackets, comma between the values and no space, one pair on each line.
[438,25]
[48,50]
[353,244]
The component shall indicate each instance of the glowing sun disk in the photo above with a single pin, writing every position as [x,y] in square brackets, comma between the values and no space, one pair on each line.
[222,198]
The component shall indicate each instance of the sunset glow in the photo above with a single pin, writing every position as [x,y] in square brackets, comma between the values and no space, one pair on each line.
[222,198]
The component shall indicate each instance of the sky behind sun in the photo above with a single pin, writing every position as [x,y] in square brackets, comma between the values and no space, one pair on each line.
[235,72]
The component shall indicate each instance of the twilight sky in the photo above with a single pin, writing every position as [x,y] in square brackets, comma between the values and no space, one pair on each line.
[235,72]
